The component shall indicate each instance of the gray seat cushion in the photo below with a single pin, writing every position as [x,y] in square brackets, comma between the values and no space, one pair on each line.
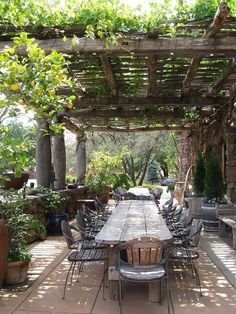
[141,273]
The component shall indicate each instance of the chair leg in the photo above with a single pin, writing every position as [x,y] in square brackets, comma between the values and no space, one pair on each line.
[73,270]
[198,281]
[64,291]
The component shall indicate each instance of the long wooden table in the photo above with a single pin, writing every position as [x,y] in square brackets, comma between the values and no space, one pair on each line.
[131,219]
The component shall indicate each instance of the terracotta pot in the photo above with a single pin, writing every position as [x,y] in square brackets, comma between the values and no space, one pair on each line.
[13,182]
[16,272]
[105,194]
[3,250]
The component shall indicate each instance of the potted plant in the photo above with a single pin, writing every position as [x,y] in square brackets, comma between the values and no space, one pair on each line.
[18,225]
[196,201]
[214,190]
[55,213]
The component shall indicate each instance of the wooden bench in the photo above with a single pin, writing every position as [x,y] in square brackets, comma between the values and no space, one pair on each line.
[229,220]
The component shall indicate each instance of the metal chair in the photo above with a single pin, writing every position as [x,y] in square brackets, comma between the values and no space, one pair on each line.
[182,252]
[145,264]
[71,241]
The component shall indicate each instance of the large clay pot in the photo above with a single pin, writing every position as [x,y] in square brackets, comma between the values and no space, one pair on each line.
[105,194]
[13,182]
[16,272]
[3,250]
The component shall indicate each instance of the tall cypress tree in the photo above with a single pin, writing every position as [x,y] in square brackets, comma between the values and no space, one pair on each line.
[213,182]
[199,175]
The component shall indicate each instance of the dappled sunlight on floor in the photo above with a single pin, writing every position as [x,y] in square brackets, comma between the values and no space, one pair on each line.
[50,265]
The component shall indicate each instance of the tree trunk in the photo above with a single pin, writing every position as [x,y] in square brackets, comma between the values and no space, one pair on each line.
[59,161]
[81,159]
[43,154]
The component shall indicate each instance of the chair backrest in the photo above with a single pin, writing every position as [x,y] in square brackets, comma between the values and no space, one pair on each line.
[66,230]
[186,217]
[195,232]
[144,251]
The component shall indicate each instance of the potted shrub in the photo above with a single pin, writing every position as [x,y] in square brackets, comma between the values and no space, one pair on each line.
[18,224]
[196,201]
[214,190]
[55,213]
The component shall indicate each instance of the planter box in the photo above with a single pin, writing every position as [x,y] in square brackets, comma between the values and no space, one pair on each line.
[16,272]
[195,205]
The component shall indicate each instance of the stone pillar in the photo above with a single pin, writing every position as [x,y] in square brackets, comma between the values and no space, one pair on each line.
[43,154]
[81,159]
[231,164]
[59,161]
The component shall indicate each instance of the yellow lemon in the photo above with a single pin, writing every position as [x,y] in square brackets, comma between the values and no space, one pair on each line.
[15,87]
[39,90]
[46,59]
[21,102]
[32,83]
[70,105]
[52,92]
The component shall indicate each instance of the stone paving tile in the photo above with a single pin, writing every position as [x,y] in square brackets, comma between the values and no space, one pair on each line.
[48,298]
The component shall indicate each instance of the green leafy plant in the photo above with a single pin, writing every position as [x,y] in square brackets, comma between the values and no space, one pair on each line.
[52,201]
[214,187]
[199,176]
[18,224]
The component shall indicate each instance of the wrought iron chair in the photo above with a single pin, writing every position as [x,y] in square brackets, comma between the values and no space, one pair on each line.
[83,253]
[145,264]
[182,252]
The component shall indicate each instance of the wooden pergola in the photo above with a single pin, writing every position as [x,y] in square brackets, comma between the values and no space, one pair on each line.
[146,81]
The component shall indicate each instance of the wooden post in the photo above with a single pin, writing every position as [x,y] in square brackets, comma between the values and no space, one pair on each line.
[81,159]
[231,164]
[59,160]
[43,154]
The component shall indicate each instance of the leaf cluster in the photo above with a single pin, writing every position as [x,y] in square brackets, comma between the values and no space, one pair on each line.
[18,225]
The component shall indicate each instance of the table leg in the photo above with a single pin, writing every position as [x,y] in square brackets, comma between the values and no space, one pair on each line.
[222,229]
[113,285]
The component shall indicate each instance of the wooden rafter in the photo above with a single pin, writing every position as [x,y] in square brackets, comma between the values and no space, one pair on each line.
[139,129]
[180,46]
[221,79]
[152,75]
[215,26]
[109,74]
[146,102]
[125,114]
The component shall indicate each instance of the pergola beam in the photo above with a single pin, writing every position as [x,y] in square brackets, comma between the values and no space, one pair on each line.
[221,79]
[109,74]
[140,129]
[146,102]
[220,16]
[180,46]
[152,75]
[124,114]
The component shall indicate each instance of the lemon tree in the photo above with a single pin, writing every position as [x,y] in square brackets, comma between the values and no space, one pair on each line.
[34,80]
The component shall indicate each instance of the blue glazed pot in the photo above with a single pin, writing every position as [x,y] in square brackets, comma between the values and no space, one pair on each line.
[54,223]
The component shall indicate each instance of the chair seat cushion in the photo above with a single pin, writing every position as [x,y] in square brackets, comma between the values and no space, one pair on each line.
[141,273]
[182,253]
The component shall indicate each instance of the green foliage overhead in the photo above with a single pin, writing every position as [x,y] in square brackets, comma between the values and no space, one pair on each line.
[103,18]
[199,175]
[213,182]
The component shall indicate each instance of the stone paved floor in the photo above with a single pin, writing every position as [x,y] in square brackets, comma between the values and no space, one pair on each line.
[49,266]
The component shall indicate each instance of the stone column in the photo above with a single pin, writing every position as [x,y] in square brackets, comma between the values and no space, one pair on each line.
[43,154]
[81,159]
[59,161]
[231,164]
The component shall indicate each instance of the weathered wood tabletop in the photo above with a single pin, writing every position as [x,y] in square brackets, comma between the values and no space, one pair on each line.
[139,191]
[132,219]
